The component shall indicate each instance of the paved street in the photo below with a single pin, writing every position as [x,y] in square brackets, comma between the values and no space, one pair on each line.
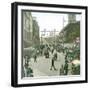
[42,66]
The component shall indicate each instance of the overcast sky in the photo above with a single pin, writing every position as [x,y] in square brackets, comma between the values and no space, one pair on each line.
[51,21]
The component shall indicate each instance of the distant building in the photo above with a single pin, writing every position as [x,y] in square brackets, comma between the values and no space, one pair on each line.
[27,27]
[71,18]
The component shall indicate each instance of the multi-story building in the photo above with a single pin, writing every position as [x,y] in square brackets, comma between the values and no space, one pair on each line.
[30,30]
[36,39]
[27,28]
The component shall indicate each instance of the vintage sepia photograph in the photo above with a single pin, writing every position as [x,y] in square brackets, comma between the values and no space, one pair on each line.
[50,44]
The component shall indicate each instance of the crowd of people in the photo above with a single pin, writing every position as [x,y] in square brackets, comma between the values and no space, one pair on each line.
[46,50]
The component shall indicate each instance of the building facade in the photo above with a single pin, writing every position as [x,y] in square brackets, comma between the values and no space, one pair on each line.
[36,36]
[27,29]
[30,30]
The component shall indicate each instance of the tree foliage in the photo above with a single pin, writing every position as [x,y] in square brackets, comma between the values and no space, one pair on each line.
[72,31]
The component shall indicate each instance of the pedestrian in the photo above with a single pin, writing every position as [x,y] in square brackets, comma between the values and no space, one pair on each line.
[26,61]
[52,49]
[29,72]
[52,64]
[55,55]
[35,56]
[26,65]
[53,61]
[66,68]
[62,70]
[46,53]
